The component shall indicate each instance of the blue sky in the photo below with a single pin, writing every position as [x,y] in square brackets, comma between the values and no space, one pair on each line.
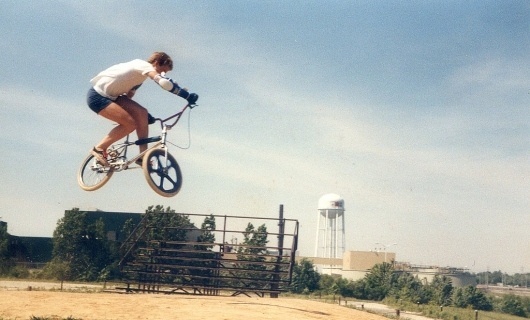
[416,113]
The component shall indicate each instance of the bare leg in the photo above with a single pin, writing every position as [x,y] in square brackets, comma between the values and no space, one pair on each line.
[126,125]
[139,114]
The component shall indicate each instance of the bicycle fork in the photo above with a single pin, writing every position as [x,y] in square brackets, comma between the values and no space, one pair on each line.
[163,144]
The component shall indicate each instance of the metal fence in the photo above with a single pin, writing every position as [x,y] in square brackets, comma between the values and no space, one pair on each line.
[226,264]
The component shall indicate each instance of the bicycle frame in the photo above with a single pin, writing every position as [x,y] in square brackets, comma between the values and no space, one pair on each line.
[118,152]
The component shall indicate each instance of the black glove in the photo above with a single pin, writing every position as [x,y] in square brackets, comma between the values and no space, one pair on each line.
[150,119]
[192,98]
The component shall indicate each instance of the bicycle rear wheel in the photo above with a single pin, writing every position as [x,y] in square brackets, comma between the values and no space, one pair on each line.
[162,172]
[92,175]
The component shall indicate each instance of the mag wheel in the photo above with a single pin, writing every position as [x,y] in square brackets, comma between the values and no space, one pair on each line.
[92,175]
[162,172]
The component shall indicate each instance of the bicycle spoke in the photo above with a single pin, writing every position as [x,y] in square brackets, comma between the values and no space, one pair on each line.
[91,175]
[163,175]
[162,172]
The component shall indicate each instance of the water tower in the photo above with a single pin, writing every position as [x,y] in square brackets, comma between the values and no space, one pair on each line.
[330,240]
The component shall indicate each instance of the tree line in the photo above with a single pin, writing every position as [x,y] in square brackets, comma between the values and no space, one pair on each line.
[383,282]
[82,251]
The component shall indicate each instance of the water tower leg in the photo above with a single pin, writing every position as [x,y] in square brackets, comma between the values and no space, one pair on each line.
[317,241]
[343,235]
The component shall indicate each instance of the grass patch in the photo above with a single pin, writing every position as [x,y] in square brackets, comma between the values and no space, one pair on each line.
[450,313]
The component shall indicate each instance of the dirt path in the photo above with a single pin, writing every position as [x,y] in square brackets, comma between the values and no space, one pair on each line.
[23,304]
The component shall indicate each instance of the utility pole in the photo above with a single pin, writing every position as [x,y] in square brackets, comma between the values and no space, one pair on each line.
[487,277]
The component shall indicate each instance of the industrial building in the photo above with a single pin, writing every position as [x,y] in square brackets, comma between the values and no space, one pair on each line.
[332,259]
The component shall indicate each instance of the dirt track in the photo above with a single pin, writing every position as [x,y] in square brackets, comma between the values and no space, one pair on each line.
[22,304]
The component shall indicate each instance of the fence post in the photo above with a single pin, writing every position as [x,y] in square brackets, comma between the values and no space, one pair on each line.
[277,267]
[398,312]
[476,314]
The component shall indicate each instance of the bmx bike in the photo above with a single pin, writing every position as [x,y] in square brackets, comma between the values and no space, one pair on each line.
[160,168]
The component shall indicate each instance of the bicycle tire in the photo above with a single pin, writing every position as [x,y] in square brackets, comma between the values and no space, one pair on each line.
[92,176]
[166,180]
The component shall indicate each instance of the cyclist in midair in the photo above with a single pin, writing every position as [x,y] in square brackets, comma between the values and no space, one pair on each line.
[112,92]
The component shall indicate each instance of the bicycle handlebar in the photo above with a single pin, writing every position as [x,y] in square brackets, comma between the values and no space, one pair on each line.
[177,115]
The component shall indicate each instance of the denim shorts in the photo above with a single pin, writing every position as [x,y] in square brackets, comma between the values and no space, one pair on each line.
[97,102]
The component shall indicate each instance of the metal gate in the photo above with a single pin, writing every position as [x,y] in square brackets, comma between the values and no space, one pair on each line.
[231,261]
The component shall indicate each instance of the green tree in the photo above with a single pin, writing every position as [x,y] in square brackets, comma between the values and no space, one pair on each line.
[305,277]
[408,287]
[478,299]
[358,289]
[496,277]
[513,305]
[378,282]
[207,262]
[167,225]
[521,279]
[255,240]
[344,287]
[126,230]
[459,298]
[251,255]
[471,296]
[6,262]
[4,241]
[326,283]
[441,289]
[207,235]
[81,245]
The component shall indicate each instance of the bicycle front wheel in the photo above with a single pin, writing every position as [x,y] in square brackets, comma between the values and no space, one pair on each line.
[92,175]
[162,172]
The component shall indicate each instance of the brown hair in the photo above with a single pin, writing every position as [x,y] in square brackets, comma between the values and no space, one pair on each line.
[162,59]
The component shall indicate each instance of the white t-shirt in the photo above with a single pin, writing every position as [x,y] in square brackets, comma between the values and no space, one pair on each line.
[121,78]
